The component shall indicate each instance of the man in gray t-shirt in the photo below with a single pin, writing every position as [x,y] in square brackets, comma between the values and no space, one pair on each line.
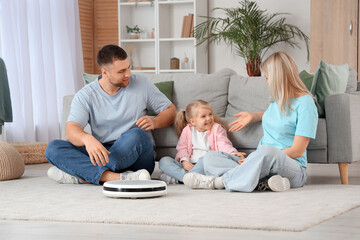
[115,106]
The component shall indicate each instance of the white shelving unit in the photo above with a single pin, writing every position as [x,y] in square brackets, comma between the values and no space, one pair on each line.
[166,17]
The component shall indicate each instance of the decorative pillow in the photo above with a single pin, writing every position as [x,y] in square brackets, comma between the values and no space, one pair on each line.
[328,79]
[247,94]
[352,83]
[166,88]
[88,78]
[306,78]
[351,86]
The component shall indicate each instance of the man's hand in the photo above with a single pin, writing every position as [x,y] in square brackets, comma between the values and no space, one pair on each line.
[163,119]
[98,154]
[146,123]
[187,165]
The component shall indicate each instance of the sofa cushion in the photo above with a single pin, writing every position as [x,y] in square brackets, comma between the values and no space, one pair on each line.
[351,86]
[249,94]
[165,137]
[352,81]
[188,87]
[306,78]
[248,138]
[167,89]
[89,78]
[328,79]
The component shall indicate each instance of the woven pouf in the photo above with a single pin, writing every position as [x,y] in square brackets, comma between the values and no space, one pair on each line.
[31,152]
[11,162]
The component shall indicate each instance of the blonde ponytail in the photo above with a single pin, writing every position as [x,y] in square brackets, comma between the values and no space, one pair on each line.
[180,121]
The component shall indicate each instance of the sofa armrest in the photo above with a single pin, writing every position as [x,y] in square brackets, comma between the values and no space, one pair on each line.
[343,127]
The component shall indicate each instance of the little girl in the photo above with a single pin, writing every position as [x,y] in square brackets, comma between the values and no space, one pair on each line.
[200,131]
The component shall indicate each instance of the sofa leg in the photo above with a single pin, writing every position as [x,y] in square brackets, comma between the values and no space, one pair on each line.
[344,172]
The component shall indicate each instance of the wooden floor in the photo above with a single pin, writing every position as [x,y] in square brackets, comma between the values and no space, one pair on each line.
[346,226]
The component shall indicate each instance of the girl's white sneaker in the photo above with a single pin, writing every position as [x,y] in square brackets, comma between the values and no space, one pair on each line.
[197,180]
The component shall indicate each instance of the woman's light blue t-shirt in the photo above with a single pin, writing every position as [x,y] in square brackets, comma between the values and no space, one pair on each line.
[280,129]
[111,116]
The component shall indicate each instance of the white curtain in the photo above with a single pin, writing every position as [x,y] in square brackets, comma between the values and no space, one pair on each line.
[41,47]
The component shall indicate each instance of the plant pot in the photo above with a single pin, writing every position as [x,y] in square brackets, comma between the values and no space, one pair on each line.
[253,67]
[134,36]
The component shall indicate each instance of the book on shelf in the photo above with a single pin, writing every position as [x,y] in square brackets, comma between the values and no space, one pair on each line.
[192,27]
[188,25]
[183,27]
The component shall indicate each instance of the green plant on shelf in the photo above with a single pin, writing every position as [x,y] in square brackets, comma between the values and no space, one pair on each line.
[133,30]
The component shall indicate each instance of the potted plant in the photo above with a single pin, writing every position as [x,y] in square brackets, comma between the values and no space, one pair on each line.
[134,31]
[251,31]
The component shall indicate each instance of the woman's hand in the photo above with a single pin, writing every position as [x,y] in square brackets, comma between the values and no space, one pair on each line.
[241,155]
[244,119]
[187,165]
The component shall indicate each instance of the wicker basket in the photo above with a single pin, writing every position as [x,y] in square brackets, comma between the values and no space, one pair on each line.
[31,152]
[174,63]
[11,162]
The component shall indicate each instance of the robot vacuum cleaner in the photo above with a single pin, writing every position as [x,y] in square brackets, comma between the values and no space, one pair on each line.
[134,189]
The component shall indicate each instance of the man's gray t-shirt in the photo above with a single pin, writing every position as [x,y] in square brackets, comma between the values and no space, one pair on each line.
[111,116]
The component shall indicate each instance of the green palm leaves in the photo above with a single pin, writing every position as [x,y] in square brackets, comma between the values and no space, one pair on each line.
[250,31]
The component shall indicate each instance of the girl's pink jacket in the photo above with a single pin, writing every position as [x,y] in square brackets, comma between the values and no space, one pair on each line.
[216,137]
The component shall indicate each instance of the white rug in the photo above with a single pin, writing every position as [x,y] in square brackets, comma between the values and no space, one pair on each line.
[35,197]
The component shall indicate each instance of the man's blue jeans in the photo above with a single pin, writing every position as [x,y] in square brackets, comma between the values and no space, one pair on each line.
[132,151]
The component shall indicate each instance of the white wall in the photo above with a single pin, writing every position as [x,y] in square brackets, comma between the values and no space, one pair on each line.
[220,55]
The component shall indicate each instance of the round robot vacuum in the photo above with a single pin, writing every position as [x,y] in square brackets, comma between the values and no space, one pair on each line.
[134,189]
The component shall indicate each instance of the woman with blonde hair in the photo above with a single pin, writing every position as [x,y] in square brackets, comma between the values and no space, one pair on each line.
[200,131]
[280,161]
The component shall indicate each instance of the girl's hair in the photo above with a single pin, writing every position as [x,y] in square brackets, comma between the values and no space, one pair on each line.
[183,116]
[284,81]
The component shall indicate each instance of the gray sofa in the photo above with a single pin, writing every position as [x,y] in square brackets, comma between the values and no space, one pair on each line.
[337,139]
